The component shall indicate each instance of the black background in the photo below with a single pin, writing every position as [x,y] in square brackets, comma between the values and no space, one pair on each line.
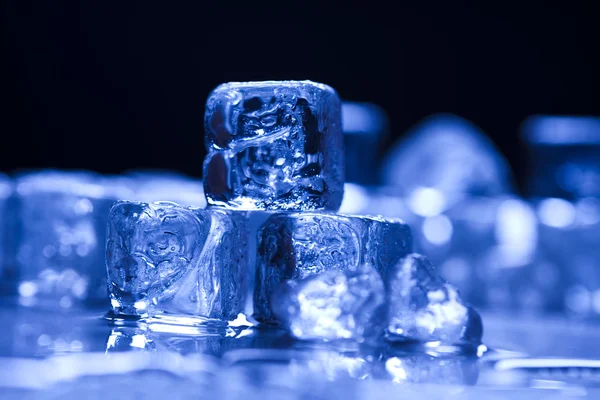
[110,86]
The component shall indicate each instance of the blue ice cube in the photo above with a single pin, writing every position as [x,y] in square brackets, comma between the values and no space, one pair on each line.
[163,258]
[59,236]
[564,153]
[332,305]
[423,307]
[300,245]
[364,125]
[567,277]
[449,155]
[274,145]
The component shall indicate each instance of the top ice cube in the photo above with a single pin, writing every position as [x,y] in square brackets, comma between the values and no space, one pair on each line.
[274,145]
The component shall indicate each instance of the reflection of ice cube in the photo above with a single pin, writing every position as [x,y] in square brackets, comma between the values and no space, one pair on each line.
[424,368]
[423,307]
[165,258]
[449,155]
[142,338]
[30,332]
[290,374]
[60,233]
[564,155]
[299,245]
[364,127]
[274,145]
[331,305]
[153,186]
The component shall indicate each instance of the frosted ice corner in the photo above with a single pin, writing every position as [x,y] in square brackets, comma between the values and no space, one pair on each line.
[274,145]
[163,258]
[295,246]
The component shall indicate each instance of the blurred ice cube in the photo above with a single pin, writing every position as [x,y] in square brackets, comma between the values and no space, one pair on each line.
[443,159]
[568,239]
[564,156]
[60,229]
[364,126]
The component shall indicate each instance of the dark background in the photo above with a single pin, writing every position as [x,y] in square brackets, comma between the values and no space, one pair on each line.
[110,86]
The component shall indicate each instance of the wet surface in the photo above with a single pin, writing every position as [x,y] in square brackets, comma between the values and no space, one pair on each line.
[54,354]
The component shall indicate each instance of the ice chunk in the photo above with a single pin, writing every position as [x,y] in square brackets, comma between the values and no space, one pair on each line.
[274,145]
[60,231]
[331,305]
[449,158]
[364,126]
[162,258]
[153,186]
[564,156]
[423,307]
[299,245]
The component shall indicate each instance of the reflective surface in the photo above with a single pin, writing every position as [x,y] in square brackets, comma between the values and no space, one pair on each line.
[63,355]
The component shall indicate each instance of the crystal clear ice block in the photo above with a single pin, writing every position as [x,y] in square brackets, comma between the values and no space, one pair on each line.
[274,145]
[332,305]
[568,275]
[424,308]
[59,235]
[163,258]
[300,245]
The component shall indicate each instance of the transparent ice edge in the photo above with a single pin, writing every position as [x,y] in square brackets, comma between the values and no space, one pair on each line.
[182,324]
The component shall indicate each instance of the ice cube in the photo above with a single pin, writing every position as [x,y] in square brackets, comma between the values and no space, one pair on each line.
[299,245]
[568,277]
[332,305]
[60,229]
[365,125]
[423,307]
[564,155]
[443,159]
[163,258]
[274,145]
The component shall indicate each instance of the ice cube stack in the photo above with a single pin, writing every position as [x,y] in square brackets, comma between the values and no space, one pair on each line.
[276,148]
